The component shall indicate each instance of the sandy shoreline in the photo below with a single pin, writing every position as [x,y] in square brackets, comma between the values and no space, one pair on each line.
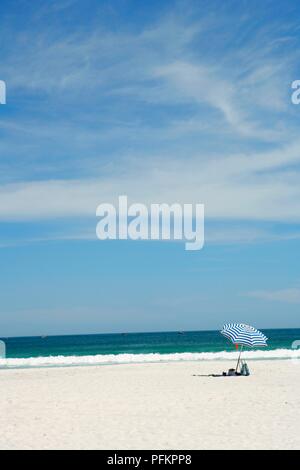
[151,406]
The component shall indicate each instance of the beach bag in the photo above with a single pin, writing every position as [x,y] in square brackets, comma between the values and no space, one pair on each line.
[245,370]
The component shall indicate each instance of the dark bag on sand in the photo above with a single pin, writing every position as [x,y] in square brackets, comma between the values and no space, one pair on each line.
[231,372]
[245,370]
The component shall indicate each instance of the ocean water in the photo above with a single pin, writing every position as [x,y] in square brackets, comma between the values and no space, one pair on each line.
[140,347]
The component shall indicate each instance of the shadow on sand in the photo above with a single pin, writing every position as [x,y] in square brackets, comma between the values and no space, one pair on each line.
[217,375]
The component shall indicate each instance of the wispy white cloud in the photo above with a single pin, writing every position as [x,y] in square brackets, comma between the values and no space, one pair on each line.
[242,187]
[158,64]
[291,295]
[200,84]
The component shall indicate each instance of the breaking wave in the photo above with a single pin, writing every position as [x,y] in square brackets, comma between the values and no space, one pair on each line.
[110,359]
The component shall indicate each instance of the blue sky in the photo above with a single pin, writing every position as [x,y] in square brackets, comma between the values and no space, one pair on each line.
[186,101]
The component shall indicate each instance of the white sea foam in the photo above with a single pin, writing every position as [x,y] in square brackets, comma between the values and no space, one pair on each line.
[64,361]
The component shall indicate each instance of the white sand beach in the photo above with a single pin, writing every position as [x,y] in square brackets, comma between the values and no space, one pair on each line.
[151,406]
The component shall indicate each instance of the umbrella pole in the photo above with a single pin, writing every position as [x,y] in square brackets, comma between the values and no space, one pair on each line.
[239,360]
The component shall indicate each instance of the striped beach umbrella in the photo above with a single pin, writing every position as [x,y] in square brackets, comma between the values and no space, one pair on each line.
[244,335]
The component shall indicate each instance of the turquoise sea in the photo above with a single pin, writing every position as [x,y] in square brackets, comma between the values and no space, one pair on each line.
[138,347]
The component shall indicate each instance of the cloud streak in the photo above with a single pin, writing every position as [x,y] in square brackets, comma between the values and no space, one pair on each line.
[241,187]
[291,295]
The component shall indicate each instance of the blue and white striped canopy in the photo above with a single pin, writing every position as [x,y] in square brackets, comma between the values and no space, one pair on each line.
[244,335]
